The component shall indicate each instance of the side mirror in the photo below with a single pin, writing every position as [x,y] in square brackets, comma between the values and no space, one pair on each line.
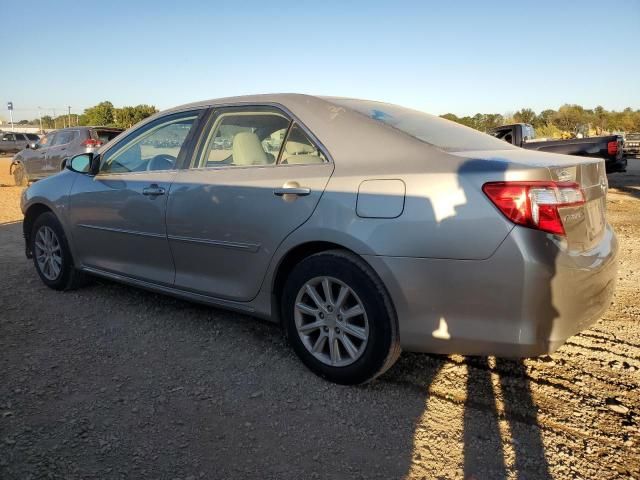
[85,163]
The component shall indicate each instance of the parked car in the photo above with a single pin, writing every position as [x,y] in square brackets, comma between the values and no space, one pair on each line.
[11,142]
[374,228]
[632,145]
[608,147]
[48,155]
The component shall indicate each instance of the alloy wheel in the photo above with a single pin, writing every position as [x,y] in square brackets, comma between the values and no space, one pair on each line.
[48,253]
[331,321]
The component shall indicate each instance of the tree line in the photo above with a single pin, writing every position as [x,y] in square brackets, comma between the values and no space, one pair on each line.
[567,121]
[103,114]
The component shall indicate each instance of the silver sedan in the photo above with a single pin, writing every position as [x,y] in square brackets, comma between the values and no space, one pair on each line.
[363,228]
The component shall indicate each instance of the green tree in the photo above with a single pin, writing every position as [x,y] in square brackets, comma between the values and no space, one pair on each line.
[569,118]
[99,115]
[525,115]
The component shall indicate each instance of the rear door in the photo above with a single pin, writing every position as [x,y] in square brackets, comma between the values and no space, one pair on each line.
[21,141]
[256,177]
[118,216]
[57,153]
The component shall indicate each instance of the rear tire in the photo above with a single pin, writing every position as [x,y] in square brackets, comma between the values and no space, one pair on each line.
[325,330]
[20,176]
[51,254]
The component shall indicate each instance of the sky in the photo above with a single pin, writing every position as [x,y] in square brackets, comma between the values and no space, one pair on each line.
[461,57]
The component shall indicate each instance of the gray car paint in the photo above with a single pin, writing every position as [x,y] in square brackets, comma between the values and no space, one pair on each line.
[461,277]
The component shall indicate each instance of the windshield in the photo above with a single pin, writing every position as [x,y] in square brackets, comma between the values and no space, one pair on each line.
[444,134]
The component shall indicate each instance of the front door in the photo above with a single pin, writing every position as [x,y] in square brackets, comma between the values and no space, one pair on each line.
[118,216]
[256,178]
[35,159]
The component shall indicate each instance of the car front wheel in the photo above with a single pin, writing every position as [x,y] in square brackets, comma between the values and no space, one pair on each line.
[339,318]
[51,255]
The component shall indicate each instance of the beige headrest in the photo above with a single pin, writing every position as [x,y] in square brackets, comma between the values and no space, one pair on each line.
[247,150]
[298,148]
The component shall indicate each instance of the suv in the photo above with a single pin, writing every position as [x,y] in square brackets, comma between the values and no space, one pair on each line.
[11,142]
[50,154]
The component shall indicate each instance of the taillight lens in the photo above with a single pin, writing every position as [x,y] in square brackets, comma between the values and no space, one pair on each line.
[92,143]
[534,204]
[612,147]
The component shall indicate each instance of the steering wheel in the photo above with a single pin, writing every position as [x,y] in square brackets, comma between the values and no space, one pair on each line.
[161,162]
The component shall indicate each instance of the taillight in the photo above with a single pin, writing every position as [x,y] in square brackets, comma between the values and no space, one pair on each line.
[612,147]
[91,143]
[534,204]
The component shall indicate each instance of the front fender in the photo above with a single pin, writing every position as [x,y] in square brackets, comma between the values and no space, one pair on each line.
[52,194]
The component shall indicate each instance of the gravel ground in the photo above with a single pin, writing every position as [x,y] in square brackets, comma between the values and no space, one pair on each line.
[113,382]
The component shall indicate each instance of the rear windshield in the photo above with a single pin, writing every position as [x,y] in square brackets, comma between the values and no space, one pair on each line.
[107,135]
[444,134]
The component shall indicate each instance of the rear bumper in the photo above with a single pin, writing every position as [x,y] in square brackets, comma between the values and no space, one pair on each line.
[619,164]
[525,300]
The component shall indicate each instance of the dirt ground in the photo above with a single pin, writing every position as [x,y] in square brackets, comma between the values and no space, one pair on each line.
[113,382]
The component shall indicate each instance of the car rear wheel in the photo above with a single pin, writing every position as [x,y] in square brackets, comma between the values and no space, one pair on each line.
[339,318]
[51,255]
[20,176]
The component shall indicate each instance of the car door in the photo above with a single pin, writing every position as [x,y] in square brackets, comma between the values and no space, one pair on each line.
[35,159]
[21,141]
[240,198]
[7,143]
[118,215]
[57,152]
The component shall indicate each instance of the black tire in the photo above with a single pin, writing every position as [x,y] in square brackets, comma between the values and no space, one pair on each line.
[20,176]
[383,346]
[69,277]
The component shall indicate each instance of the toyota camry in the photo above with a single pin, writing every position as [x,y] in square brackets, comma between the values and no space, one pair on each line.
[363,228]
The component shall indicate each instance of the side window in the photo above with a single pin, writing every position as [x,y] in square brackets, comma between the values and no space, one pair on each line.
[33,137]
[47,140]
[244,138]
[7,137]
[299,149]
[62,138]
[155,146]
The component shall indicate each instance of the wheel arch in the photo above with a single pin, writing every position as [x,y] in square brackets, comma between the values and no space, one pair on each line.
[30,216]
[295,255]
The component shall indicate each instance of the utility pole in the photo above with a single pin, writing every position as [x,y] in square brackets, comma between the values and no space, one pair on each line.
[55,125]
[69,114]
[40,118]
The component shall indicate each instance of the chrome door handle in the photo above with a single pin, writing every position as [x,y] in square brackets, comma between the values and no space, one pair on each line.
[299,191]
[153,190]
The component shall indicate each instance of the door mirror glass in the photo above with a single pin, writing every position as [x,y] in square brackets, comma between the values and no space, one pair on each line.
[80,163]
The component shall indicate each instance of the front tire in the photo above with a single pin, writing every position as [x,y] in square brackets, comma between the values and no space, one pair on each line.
[51,254]
[339,318]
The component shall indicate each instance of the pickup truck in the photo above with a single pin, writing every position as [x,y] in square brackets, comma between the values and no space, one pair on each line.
[608,148]
[632,145]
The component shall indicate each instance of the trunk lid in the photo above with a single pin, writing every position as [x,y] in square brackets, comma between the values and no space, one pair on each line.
[584,224]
